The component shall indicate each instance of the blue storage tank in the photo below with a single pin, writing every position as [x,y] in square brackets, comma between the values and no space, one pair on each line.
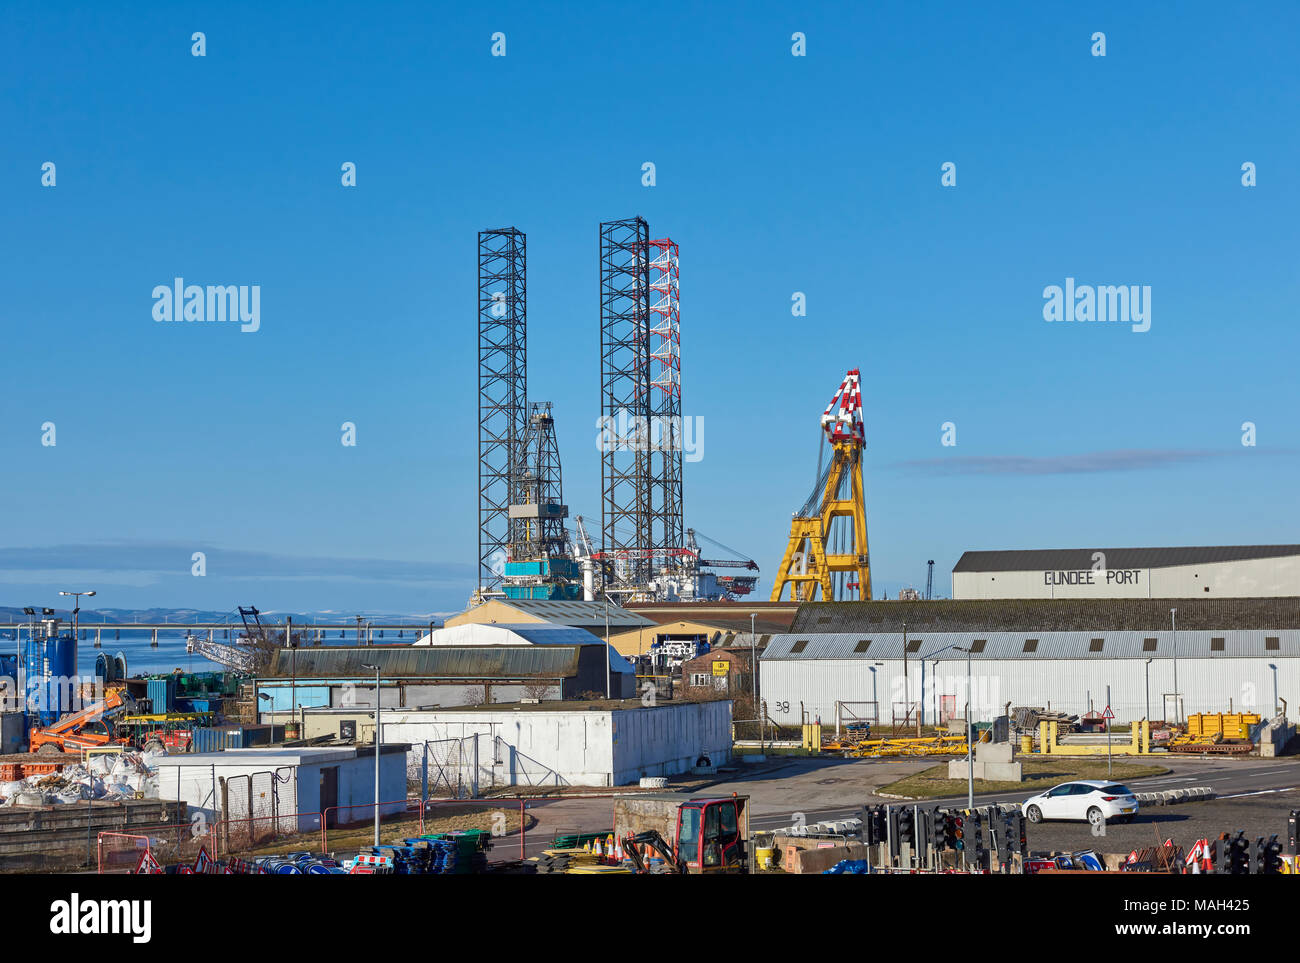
[49,677]
[9,668]
[162,694]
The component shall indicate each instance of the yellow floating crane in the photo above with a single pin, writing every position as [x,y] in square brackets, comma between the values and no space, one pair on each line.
[818,549]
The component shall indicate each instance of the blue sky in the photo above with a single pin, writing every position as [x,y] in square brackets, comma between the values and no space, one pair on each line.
[775,174]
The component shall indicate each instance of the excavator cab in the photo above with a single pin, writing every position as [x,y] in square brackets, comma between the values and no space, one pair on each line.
[710,837]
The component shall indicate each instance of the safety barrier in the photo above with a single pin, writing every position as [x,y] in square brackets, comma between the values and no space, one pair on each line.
[119,852]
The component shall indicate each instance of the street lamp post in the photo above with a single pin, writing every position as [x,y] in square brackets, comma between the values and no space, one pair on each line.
[1178,703]
[77,608]
[1275,702]
[753,662]
[378,738]
[970,748]
[1146,685]
[607,669]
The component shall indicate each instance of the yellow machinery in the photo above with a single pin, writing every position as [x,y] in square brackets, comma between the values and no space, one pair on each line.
[816,551]
[1139,743]
[877,748]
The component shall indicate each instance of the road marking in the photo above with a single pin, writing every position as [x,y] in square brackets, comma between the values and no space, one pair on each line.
[1258,792]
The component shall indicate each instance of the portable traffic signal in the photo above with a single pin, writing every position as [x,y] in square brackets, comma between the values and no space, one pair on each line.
[906,828]
[1239,847]
[1270,855]
[1293,832]
[1223,849]
[949,831]
[959,831]
[879,825]
[873,825]
[1013,836]
[977,838]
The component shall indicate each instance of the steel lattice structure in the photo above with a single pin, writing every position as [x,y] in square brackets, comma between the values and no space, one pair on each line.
[667,531]
[827,549]
[502,391]
[626,497]
[538,511]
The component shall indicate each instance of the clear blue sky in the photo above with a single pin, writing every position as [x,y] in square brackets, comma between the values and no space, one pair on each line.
[775,174]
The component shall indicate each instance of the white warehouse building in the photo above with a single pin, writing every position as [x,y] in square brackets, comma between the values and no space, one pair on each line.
[1226,571]
[886,661]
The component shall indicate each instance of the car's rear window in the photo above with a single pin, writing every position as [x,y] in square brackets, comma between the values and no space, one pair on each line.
[1117,790]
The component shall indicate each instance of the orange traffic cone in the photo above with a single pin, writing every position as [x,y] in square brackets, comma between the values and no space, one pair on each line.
[609,848]
[596,851]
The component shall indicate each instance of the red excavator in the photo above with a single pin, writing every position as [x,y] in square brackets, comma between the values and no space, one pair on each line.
[87,729]
[703,835]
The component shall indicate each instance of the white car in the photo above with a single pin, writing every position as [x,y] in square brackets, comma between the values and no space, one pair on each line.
[1090,800]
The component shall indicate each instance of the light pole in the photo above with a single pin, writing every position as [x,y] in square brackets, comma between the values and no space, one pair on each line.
[1178,703]
[970,748]
[607,669]
[378,738]
[753,661]
[1275,702]
[1146,685]
[906,692]
[875,693]
[77,609]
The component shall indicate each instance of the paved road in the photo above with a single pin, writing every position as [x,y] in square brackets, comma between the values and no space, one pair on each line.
[1254,795]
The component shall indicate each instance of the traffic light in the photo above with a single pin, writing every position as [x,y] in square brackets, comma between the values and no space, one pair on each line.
[977,839]
[1239,858]
[891,822]
[959,832]
[1270,855]
[948,839]
[1293,832]
[906,828]
[1013,836]
[868,816]
[873,825]
[879,825]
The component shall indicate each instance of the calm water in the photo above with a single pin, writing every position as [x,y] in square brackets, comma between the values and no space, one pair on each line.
[142,659]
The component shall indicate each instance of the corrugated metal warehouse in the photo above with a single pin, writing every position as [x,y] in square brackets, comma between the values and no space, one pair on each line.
[555,744]
[1223,571]
[415,676]
[849,659]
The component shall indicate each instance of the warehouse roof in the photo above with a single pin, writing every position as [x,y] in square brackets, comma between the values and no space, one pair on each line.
[558,611]
[427,661]
[509,633]
[1074,559]
[1094,644]
[1047,615]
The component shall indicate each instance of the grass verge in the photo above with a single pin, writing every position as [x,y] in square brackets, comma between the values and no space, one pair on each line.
[1042,774]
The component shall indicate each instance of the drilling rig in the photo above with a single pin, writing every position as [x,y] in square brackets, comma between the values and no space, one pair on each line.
[827,549]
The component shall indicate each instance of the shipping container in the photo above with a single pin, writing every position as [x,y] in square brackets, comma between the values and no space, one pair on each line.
[215,740]
[162,695]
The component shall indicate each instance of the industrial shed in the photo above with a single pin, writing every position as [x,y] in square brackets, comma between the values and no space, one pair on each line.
[285,787]
[603,743]
[882,660]
[1217,571]
[428,676]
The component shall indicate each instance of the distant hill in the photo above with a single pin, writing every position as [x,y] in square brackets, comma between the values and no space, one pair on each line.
[10,615]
